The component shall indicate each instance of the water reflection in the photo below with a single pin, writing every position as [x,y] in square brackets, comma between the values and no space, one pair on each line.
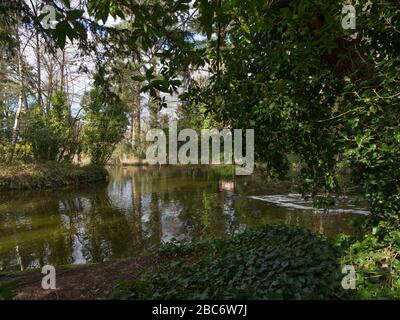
[139,207]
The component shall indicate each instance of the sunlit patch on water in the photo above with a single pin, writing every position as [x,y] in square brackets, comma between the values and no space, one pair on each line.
[295,201]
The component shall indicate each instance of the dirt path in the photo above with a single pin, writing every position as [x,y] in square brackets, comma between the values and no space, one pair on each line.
[77,283]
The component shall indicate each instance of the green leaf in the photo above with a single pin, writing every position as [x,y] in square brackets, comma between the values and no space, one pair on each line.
[139,78]
[74,14]
[60,33]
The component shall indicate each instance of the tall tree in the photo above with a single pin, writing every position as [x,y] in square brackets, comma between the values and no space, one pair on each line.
[22,99]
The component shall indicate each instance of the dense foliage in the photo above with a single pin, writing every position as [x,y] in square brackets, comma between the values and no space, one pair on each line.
[53,135]
[376,261]
[272,262]
[106,123]
[329,97]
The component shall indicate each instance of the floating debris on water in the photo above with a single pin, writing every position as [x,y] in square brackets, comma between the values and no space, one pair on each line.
[295,201]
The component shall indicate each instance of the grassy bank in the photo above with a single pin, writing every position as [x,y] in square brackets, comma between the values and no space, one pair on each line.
[48,175]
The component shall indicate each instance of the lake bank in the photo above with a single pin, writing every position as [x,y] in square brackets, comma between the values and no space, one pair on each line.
[254,264]
[270,262]
[74,282]
[48,175]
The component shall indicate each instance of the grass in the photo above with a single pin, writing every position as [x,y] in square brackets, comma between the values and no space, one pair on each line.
[21,176]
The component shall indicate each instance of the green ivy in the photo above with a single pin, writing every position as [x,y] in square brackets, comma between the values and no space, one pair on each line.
[272,262]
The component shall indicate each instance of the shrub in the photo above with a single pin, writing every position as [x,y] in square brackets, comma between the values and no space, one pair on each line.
[376,259]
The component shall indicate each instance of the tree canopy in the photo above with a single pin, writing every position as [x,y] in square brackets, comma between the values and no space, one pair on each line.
[313,91]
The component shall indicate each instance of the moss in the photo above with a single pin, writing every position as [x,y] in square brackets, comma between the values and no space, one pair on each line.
[48,175]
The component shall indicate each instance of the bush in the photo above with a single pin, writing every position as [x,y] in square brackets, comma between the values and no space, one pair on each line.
[48,175]
[272,262]
[376,259]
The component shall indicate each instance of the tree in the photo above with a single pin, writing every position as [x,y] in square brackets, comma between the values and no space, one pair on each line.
[327,96]
[129,91]
[106,121]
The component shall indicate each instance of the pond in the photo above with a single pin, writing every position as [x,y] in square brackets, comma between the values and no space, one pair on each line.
[143,206]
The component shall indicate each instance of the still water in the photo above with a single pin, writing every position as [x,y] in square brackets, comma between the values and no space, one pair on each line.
[143,206]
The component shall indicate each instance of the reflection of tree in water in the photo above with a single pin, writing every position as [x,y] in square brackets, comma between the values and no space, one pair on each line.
[194,192]
[120,220]
[28,236]
[64,229]
[137,230]
[106,230]
[145,183]
[155,219]
[212,220]
[180,190]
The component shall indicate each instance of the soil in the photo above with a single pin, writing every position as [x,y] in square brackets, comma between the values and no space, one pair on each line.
[90,282]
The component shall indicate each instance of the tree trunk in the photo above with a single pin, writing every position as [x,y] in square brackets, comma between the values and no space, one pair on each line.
[21,98]
[62,70]
[50,86]
[15,128]
[39,98]
[137,210]
[135,117]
